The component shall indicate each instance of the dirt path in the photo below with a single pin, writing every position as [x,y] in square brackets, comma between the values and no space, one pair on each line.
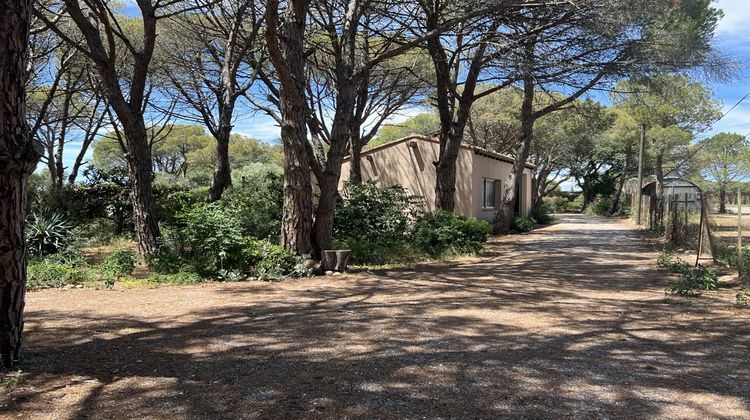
[568,322]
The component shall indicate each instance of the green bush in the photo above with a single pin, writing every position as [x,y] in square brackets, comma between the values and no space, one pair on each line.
[184,277]
[211,237]
[48,233]
[693,281]
[667,262]
[55,272]
[729,256]
[373,220]
[119,263]
[264,259]
[444,233]
[256,199]
[600,206]
[556,204]
[542,213]
[523,224]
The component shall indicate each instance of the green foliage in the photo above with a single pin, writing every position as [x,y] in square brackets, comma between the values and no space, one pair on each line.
[730,257]
[600,206]
[256,199]
[209,230]
[523,224]
[444,233]
[382,215]
[48,233]
[694,281]
[181,278]
[667,262]
[267,260]
[556,204]
[743,297]
[56,271]
[543,213]
[120,263]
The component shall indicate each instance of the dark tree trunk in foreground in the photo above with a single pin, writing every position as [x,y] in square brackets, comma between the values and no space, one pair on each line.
[17,161]
[286,51]
[722,199]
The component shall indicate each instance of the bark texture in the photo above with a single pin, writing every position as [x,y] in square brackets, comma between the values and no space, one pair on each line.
[286,51]
[17,161]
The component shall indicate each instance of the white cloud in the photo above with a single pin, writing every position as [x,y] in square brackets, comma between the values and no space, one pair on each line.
[736,17]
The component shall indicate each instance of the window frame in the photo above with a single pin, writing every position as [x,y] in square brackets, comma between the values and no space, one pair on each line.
[485,181]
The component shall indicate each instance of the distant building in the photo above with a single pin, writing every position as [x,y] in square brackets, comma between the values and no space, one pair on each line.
[479,174]
[679,193]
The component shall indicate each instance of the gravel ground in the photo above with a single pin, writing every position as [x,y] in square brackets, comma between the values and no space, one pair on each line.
[570,321]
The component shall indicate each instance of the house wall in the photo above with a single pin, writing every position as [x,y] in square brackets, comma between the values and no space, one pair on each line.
[413,169]
[498,171]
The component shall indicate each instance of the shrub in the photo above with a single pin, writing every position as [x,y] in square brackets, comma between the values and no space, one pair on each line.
[265,259]
[600,206]
[693,281]
[184,277]
[556,204]
[523,224]
[54,272]
[444,233]
[543,213]
[48,233]
[667,262]
[166,261]
[374,220]
[119,263]
[209,230]
[257,198]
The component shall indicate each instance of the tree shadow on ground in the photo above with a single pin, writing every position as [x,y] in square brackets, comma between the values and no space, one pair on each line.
[555,325]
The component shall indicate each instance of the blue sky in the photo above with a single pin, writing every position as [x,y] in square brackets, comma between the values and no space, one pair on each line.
[732,38]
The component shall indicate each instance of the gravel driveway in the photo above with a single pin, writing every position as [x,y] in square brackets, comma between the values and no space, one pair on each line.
[570,321]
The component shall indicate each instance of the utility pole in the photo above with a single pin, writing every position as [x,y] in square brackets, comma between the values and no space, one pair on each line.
[740,260]
[641,152]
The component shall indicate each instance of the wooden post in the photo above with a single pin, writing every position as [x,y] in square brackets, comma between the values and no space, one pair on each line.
[739,233]
[641,152]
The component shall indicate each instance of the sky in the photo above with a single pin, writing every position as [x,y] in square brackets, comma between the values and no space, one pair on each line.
[732,38]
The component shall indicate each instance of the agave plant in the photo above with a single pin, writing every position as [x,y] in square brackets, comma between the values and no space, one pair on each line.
[48,233]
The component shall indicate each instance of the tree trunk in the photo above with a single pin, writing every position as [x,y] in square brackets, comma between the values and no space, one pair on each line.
[355,160]
[504,216]
[17,161]
[223,173]
[445,168]
[287,54]
[722,199]
[140,172]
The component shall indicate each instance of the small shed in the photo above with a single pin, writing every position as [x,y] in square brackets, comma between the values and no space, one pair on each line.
[679,195]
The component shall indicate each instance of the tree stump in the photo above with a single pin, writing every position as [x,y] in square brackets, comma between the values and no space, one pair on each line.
[336,259]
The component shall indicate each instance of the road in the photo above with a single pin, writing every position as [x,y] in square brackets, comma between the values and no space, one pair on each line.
[569,321]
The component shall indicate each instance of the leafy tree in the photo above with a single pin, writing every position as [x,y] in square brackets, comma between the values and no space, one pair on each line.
[725,160]
[672,108]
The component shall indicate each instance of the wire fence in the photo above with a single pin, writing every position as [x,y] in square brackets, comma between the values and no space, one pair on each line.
[694,225]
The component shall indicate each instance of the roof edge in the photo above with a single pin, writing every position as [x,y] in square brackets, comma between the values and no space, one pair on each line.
[475,149]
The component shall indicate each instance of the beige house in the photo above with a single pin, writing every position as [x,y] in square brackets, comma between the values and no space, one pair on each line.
[480,174]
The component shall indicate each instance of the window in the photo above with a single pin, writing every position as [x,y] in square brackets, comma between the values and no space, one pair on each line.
[488,187]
